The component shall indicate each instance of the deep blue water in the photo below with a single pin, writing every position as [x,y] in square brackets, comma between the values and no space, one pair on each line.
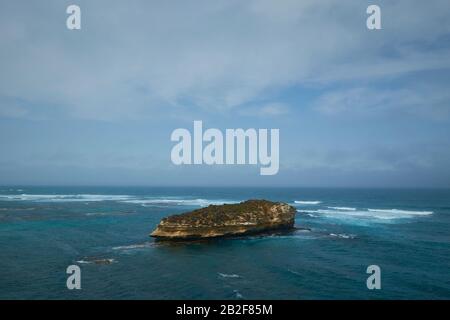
[44,230]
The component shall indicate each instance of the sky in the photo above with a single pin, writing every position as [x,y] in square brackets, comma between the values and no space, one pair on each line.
[96,106]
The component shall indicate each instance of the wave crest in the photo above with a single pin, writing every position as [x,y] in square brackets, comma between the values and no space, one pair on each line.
[224,275]
[307,202]
[139,200]
[374,214]
[343,208]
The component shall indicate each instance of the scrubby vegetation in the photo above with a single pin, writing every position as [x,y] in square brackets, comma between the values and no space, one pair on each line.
[223,212]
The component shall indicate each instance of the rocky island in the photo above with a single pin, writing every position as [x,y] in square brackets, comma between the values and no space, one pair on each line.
[248,217]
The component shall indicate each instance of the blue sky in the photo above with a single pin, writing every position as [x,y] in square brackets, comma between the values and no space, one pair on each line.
[97,106]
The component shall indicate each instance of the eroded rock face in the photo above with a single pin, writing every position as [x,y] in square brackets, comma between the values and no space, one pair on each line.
[249,217]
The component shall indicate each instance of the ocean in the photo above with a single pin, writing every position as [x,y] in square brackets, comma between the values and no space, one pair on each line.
[105,231]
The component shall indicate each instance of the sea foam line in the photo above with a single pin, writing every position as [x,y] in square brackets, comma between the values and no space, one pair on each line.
[224,275]
[405,212]
[134,246]
[140,200]
[343,208]
[63,197]
[307,202]
[381,214]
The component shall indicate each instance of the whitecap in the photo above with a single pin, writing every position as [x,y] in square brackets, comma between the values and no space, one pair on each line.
[97,213]
[307,202]
[343,235]
[294,272]
[369,214]
[64,197]
[402,212]
[112,213]
[224,275]
[17,209]
[343,208]
[134,246]
[86,198]
[177,202]
[238,294]
[97,261]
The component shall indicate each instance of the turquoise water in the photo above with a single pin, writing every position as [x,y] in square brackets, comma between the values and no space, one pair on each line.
[44,230]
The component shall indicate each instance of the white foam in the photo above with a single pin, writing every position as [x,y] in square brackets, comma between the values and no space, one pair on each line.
[176,202]
[374,214]
[343,208]
[105,197]
[64,197]
[108,213]
[97,213]
[307,202]
[97,261]
[295,272]
[134,246]
[402,212]
[343,235]
[224,275]
[17,209]
[238,294]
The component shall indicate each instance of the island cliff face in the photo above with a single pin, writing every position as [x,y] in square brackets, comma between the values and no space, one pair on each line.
[248,217]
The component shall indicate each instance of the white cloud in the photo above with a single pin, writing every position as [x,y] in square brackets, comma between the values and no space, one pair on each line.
[132,61]
[429,101]
[272,109]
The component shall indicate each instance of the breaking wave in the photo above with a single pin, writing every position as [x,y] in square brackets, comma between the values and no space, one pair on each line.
[97,261]
[63,197]
[343,235]
[176,202]
[343,208]
[135,246]
[402,212]
[138,200]
[224,275]
[308,202]
[374,214]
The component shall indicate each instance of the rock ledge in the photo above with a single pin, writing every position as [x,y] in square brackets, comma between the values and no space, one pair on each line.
[248,217]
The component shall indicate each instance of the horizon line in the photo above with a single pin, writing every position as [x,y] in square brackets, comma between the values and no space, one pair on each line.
[217,186]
